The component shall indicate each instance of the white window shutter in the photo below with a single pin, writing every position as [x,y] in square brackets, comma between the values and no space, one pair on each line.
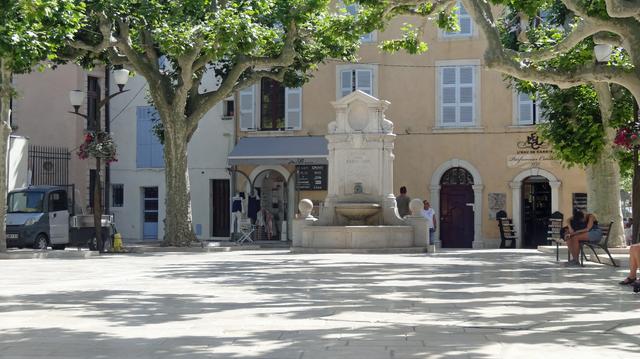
[364,81]
[293,108]
[247,109]
[346,82]
[525,109]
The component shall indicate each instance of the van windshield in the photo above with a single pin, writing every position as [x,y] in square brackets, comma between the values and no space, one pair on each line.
[25,202]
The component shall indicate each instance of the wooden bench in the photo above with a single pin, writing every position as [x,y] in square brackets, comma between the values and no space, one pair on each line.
[603,244]
[507,230]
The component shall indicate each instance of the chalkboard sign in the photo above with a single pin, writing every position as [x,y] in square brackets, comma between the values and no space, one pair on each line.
[580,201]
[312,178]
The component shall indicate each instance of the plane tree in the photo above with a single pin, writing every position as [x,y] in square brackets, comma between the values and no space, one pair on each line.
[549,48]
[31,32]
[238,42]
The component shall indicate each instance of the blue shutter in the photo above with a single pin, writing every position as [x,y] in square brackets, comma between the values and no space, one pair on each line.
[149,150]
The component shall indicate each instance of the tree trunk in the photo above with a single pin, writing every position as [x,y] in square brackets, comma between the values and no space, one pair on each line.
[603,177]
[5,131]
[635,197]
[178,229]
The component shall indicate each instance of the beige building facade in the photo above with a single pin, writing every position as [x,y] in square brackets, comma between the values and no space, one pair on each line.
[465,140]
[40,112]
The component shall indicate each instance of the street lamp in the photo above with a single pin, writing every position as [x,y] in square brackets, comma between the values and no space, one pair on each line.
[76,97]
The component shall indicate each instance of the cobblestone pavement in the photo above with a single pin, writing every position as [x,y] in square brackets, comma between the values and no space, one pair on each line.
[271,304]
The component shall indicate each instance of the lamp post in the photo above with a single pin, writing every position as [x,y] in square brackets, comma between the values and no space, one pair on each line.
[76,97]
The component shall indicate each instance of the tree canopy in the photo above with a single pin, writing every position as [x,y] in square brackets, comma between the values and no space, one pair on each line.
[175,44]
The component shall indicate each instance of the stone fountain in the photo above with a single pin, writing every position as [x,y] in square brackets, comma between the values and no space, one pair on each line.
[360,211]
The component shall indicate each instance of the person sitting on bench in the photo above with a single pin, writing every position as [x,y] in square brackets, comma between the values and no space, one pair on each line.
[634,262]
[582,227]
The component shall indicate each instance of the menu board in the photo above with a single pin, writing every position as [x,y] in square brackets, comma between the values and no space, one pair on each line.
[312,178]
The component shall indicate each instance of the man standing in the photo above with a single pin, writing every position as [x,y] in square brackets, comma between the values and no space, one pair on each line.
[429,214]
[403,202]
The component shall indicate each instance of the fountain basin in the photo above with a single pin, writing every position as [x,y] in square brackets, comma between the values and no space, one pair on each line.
[358,212]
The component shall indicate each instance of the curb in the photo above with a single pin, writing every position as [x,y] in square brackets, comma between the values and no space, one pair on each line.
[49,254]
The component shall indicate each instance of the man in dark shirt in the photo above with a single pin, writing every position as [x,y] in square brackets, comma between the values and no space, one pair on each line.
[403,202]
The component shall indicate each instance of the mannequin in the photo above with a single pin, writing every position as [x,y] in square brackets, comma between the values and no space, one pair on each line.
[236,210]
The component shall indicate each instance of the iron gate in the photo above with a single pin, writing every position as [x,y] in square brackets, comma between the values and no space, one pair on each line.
[49,165]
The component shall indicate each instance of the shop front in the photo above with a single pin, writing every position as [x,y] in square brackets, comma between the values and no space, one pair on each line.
[270,174]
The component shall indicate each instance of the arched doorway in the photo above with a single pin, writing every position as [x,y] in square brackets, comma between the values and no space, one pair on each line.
[536,209]
[456,208]
[269,211]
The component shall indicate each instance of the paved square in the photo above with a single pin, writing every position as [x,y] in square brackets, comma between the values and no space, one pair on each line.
[271,304]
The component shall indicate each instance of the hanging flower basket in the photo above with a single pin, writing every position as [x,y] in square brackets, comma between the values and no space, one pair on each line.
[98,144]
[627,137]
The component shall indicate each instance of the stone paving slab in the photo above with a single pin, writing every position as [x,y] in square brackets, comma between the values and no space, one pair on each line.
[273,304]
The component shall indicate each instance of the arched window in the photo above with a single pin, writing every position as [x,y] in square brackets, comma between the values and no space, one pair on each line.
[456,176]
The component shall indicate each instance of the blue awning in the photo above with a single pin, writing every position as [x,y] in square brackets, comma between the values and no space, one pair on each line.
[298,150]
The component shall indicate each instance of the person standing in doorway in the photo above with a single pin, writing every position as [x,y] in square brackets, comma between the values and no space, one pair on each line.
[403,202]
[430,215]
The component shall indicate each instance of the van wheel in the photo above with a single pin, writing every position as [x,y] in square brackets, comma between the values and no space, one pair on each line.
[93,244]
[41,242]
[59,247]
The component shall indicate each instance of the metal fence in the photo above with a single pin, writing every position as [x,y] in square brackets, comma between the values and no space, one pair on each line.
[49,165]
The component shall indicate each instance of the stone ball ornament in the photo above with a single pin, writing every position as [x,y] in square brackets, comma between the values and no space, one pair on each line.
[415,206]
[305,206]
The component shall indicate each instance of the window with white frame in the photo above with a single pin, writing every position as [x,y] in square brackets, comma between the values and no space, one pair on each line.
[465,23]
[457,95]
[353,10]
[529,110]
[352,79]
[270,106]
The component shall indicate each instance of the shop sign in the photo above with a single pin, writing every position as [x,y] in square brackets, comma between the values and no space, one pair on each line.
[311,178]
[530,153]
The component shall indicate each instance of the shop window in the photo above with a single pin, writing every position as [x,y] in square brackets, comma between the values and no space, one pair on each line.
[457,96]
[149,150]
[270,106]
[529,110]
[465,24]
[117,195]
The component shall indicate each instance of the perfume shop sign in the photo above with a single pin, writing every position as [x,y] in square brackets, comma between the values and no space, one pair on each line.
[530,153]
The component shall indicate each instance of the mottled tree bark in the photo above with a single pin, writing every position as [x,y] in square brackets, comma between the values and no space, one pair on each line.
[5,131]
[603,177]
[178,222]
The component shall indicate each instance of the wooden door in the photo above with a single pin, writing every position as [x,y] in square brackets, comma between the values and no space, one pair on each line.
[456,216]
[220,210]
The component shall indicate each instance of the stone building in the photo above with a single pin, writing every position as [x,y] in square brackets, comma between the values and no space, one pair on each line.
[466,140]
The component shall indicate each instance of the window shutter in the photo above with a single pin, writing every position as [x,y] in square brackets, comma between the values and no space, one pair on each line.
[247,109]
[364,81]
[149,150]
[525,109]
[143,150]
[466,97]
[346,82]
[448,98]
[293,108]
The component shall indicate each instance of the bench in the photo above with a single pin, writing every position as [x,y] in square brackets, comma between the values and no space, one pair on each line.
[507,230]
[603,244]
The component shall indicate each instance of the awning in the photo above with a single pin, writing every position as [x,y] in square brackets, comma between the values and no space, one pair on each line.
[298,150]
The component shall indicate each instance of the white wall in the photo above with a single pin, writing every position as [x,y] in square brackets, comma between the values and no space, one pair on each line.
[208,152]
